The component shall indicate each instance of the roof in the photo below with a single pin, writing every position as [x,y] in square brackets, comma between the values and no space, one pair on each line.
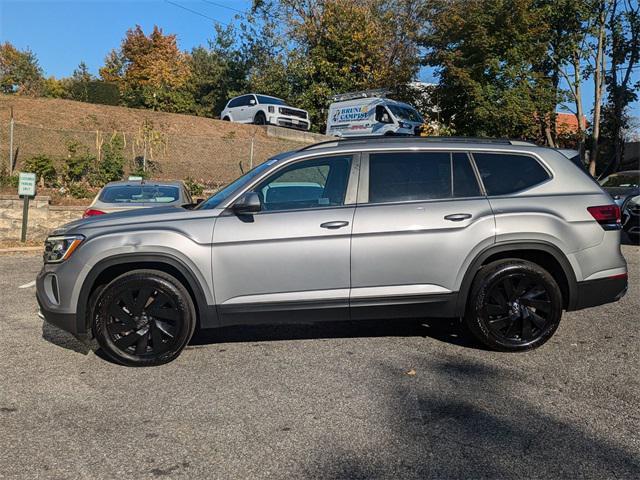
[410,141]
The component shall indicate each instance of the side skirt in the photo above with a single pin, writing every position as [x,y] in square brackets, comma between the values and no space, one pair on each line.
[414,306]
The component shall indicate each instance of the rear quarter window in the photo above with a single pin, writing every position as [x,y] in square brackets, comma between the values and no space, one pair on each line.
[505,173]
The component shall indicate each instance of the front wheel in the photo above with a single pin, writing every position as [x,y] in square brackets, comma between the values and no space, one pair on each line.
[514,305]
[260,119]
[143,318]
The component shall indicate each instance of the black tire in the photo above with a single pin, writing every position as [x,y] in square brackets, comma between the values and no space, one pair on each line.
[633,237]
[260,119]
[514,305]
[226,119]
[143,318]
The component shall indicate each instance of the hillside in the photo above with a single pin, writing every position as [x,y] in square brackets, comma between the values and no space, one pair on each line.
[202,148]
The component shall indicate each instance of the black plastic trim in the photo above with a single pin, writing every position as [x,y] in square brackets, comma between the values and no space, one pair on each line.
[207,314]
[503,247]
[592,293]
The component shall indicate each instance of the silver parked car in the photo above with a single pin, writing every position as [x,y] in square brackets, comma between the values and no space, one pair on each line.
[132,194]
[503,234]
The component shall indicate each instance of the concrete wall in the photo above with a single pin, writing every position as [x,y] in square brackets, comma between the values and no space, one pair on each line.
[43,217]
[295,135]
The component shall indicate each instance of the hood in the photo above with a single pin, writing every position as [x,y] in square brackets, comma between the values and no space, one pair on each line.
[126,217]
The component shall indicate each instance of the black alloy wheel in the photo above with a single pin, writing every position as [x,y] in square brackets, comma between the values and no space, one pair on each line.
[144,317]
[515,305]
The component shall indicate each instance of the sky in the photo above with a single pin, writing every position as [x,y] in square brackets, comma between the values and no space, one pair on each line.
[63,33]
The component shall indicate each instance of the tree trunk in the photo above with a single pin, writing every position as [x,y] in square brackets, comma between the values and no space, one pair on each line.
[598,80]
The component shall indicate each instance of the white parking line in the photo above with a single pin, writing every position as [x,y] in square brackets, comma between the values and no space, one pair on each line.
[28,285]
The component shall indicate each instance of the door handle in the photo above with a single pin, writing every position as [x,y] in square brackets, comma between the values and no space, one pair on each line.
[335,224]
[458,217]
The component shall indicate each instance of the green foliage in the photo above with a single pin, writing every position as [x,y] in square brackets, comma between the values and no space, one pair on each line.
[43,167]
[195,189]
[111,166]
[79,190]
[19,71]
[488,55]
[78,163]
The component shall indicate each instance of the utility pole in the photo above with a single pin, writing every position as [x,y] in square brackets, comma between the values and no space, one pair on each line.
[11,143]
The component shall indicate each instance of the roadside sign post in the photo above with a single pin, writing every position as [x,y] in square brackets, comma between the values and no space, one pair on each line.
[26,189]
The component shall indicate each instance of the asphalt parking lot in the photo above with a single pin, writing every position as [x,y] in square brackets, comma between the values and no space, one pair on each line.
[410,399]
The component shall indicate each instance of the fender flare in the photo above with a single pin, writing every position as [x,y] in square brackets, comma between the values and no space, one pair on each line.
[207,314]
[546,247]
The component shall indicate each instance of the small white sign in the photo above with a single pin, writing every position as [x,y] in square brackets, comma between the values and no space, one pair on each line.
[27,184]
[135,178]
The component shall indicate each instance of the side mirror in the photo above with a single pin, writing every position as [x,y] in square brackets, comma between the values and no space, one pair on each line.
[247,204]
[252,102]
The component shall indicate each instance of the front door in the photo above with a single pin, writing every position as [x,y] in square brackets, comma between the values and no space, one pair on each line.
[292,257]
[420,217]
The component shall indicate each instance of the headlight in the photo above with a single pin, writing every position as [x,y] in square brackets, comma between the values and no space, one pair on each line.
[59,248]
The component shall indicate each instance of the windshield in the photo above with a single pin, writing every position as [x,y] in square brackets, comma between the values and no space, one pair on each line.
[405,113]
[139,194]
[223,194]
[621,180]
[270,100]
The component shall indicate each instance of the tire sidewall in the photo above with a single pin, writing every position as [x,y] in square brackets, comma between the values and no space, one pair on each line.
[167,285]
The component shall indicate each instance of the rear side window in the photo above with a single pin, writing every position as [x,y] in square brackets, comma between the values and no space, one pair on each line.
[407,176]
[235,102]
[508,173]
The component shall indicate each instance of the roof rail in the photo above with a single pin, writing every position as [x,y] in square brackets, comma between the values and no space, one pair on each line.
[343,97]
[397,138]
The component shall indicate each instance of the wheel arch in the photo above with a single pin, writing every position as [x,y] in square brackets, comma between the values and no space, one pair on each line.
[108,269]
[547,255]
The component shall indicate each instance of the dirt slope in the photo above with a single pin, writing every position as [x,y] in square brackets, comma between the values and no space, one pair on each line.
[205,149]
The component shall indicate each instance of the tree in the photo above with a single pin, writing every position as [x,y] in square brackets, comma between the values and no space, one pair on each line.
[488,56]
[150,71]
[19,71]
[622,86]
[79,83]
[335,46]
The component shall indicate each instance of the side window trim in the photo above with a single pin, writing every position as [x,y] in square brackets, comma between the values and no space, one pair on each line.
[476,172]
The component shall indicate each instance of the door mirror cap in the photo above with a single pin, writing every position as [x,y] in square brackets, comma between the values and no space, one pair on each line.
[247,204]
[252,102]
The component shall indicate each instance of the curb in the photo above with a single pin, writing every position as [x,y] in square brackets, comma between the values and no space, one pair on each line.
[20,250]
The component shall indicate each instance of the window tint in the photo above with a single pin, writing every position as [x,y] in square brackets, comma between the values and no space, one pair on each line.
[139,194]
[508,173]
[465,183]
[396,177]
[235,102]
[309,184]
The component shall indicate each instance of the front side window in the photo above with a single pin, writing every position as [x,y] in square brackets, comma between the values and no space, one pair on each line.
[504,173]
[314,183]
[235,102]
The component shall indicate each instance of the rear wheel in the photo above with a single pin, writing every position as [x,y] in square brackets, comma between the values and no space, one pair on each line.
[143,318]
[514,305]
[226,119]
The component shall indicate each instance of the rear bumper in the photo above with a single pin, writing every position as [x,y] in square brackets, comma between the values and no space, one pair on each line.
[592,293]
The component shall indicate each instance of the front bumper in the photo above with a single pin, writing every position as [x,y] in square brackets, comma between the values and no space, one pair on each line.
[592,293]
[50,309]
[289,122]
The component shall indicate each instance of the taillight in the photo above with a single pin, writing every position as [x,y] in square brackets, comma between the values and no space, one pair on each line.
[90,212]
[608,216]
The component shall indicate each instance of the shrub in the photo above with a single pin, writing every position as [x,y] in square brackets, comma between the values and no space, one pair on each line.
[195,189]
[79,190]
[111,166]
[43,167]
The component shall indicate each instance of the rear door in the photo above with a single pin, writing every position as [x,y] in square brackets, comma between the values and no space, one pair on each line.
[421,218]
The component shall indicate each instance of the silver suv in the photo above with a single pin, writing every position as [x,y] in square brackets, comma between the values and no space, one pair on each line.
[503,234]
